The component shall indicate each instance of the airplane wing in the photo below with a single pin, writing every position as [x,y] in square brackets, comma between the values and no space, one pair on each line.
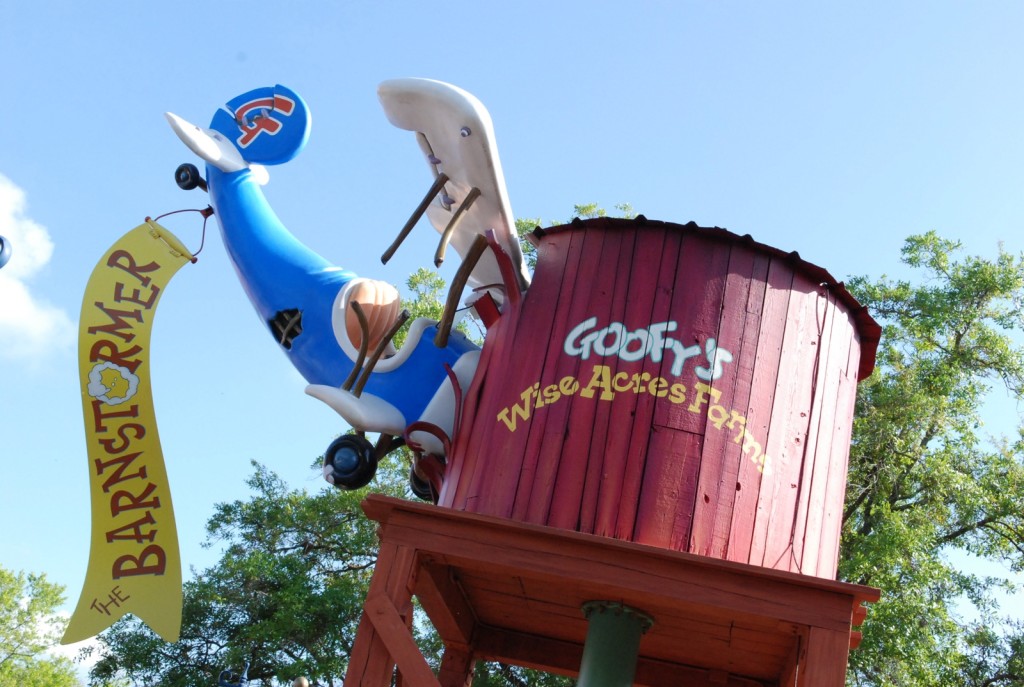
[456,136]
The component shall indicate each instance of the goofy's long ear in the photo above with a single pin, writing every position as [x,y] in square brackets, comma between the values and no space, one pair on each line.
[268,125]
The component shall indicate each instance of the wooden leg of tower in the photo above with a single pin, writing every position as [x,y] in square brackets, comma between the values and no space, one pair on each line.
[372,663]
[822,662]
[829,650]
[456,667]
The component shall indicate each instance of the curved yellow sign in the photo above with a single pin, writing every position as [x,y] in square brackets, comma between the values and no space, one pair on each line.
[134,565]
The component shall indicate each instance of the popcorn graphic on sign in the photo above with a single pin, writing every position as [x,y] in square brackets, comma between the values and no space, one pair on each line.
[112,384]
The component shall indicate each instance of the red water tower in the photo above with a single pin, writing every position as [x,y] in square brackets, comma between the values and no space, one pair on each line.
[647,479]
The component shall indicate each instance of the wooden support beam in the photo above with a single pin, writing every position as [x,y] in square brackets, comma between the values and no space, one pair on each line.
[563,658]
[445,603]
[791,669]
[370,664]
[555,555]
[394,633]
[827,654]
[503,590]
[456,667]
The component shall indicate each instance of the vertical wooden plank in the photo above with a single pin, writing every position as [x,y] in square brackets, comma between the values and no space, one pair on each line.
[507,446]
[744,375]
[465,461]
[633,304]
[758,413]
[704,322]
[787,435]
[827,654]
[495,456]
[619,500]
[819,417]
[556,273]
[583,478]
[490,444]
[533,495]
[716,490]
[665,507]
[835,344]
[697,290]
[561,456]
[835,493]
[696,302]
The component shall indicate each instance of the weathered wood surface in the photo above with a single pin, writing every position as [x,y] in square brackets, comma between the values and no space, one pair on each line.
[498,589]
[743,460]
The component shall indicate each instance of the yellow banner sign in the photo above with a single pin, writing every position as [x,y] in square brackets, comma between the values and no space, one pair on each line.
[134,565]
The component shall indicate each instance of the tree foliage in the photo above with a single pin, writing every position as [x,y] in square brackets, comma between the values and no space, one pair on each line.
[284,596]
[28,627]
[526,225]
[925,479]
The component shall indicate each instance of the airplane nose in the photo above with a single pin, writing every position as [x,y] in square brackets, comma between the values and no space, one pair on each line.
[207,144]
[186,130]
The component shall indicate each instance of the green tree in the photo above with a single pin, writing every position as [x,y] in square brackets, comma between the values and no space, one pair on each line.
[28,627]
[284,597]
[925,480]
[427,289]
[526,225]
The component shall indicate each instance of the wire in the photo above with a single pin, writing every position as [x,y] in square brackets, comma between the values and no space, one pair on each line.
[206,212]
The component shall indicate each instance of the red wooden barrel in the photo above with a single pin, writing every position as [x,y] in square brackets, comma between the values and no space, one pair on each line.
[671,385]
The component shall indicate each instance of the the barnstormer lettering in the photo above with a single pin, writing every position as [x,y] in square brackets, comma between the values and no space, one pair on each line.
[120,366]
[112,381]
[604,385]
[133,560]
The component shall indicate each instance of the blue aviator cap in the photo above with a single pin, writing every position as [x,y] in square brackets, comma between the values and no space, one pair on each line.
[268,125]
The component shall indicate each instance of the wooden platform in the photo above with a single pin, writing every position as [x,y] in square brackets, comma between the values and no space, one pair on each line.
[502,590]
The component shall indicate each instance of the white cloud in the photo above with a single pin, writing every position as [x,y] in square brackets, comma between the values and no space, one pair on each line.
[29,328]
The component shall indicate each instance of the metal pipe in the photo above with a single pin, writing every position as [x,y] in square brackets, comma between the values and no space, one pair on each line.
[364,343]
[612,648]
[444,327]
[435,188]
[379,351]
[446,235]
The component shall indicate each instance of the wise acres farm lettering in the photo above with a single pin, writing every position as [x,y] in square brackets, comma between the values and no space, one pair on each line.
[585,340]
[116,423]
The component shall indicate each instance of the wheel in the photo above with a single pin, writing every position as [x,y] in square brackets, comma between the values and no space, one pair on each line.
[5,251]
[349,462]
[420,487]
[187,177]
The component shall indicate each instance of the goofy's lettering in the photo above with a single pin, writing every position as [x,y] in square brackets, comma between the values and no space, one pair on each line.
[652,341]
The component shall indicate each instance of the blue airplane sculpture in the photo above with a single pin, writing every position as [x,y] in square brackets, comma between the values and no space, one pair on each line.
[302,298]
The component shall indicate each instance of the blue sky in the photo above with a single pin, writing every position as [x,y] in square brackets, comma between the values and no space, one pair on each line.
[834,130]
